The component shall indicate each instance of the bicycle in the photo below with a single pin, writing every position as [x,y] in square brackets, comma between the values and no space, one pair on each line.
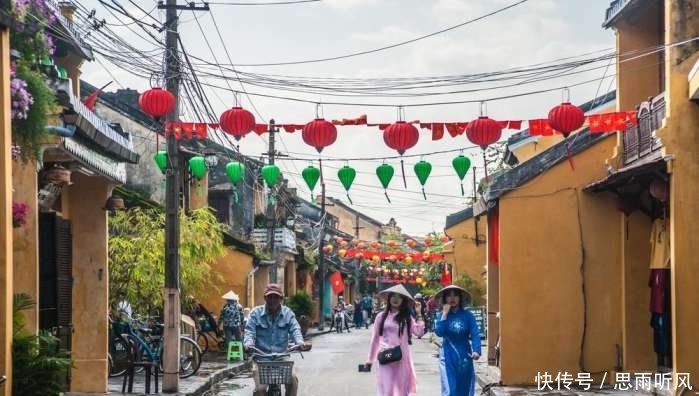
[275,369]
[118,354]
[149,347]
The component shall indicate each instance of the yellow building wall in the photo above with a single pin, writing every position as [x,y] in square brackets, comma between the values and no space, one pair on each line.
[82,204]
[680,138]
[551,233]
[348,221]
[638,79]
[465,256]
[6,268]
[232,270]
[25,239]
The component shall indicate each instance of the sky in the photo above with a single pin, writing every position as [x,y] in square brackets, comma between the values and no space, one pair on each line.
[526,34]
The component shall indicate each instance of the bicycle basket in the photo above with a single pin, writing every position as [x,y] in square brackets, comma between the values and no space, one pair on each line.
[275,372]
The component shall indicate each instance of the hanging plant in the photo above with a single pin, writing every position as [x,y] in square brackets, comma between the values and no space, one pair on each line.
[31,97]
[20,210]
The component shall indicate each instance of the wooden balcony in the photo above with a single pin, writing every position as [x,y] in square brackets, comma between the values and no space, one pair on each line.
[640,140]
[284,239]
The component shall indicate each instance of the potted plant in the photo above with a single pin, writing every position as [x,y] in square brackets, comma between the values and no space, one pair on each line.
[302,305]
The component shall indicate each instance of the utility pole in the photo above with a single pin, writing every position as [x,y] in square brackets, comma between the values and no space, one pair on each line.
[171,307]
[475,197]
[321,254]
[271,210]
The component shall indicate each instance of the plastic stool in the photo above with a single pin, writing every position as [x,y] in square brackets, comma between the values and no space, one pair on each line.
[235,351]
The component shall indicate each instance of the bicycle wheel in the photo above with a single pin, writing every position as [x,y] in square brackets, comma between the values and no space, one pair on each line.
[190,357]
[203,342]
[118,357]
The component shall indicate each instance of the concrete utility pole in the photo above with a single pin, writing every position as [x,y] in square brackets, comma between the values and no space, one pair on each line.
[271,209]
[321,254]
[171,308]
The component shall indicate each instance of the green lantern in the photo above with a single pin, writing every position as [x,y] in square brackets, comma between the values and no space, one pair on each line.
[422,170]
[160,159]
[235,171]
[385,174]
[271,174]
[197,165]
[346,174]
[311,175]
[461,165]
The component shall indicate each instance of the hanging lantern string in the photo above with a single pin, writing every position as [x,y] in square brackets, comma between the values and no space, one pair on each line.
[401,113]
[483,109]
[236,99]
[402,170]
[385,193]
[462,189]
[485,166]
[570,157]
[319,110]
[423,193]
[566,95]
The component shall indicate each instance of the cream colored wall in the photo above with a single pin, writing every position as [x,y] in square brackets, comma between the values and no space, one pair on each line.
[6,259]
[25,239]
[638,79]
[550,230]
[347,221]
[83,204]
[679,135]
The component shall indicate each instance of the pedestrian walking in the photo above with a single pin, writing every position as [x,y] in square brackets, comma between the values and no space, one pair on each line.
[367,308]
[357,313]
[461,342]
[231,317]
[390,343]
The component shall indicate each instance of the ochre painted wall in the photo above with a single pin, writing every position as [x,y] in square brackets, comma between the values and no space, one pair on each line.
[465,256]
[84,201]
[25,240]
[681,139]
[232,270]
[638,79]
[556,239]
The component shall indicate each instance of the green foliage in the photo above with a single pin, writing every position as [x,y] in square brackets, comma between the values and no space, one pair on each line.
[28,133]
[300,303]
[474,288]
[137,255]
[39,367]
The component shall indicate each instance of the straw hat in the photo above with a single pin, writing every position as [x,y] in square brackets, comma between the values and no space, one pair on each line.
[465,296]
[230,296]
[398,289]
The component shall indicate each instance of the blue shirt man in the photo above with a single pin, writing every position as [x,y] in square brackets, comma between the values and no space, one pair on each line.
[269,329]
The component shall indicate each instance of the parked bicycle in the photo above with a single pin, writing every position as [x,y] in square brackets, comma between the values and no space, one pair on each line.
[148,342]
[275,369]
[209,336]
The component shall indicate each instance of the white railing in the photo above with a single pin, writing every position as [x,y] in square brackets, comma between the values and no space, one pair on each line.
[284,238]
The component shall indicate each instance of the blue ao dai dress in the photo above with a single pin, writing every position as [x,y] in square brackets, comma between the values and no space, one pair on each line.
[460,337]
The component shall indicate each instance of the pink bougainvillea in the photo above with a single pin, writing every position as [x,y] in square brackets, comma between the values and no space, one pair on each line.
[20,210]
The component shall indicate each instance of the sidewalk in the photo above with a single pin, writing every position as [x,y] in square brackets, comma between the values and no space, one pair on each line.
[214,368]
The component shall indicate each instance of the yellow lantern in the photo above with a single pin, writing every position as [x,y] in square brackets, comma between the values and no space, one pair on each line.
[342,252]
[408,260]
[376,259]
[418,280]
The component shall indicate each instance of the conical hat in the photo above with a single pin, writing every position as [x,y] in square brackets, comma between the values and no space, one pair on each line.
[465,296]
[230,296]
[398,289]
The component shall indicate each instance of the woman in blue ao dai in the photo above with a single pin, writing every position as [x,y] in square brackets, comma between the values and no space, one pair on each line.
[461,343]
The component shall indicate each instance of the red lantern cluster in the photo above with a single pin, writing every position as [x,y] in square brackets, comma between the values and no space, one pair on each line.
[483,131]
[319,133]
[566,118]
[237,122]
[156,102]
[400,136]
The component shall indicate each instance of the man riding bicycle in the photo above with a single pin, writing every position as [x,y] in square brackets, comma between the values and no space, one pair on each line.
[270,328]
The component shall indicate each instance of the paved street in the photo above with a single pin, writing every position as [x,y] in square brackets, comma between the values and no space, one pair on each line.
[331,368]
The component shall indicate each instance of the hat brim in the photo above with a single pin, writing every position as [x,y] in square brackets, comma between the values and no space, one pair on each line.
[465,296]
[274,292]
[398,289]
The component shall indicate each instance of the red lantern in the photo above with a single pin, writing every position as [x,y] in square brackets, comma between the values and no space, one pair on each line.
[237,122]
[157,102]
[319,134]
[483,131]
[565,118]
[400,136]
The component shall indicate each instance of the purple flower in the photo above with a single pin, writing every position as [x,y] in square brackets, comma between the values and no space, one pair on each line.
[20,210]
[21,98]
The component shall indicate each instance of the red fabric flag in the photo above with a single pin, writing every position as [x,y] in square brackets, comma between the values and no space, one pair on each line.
[620,121]
[336,282]
[502,124]
[260,128]
[632,117]
[289,127]
[91,100]
[536,127]
[514,124]
[437,130]
[595,123]
[187,129]
[455,128]
[383,126]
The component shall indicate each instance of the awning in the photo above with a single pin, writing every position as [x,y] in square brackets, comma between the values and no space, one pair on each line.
[95,161]
[639,172]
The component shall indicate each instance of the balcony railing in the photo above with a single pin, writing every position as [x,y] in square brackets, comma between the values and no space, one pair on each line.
[640,139]
[284,238]
[616,8]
